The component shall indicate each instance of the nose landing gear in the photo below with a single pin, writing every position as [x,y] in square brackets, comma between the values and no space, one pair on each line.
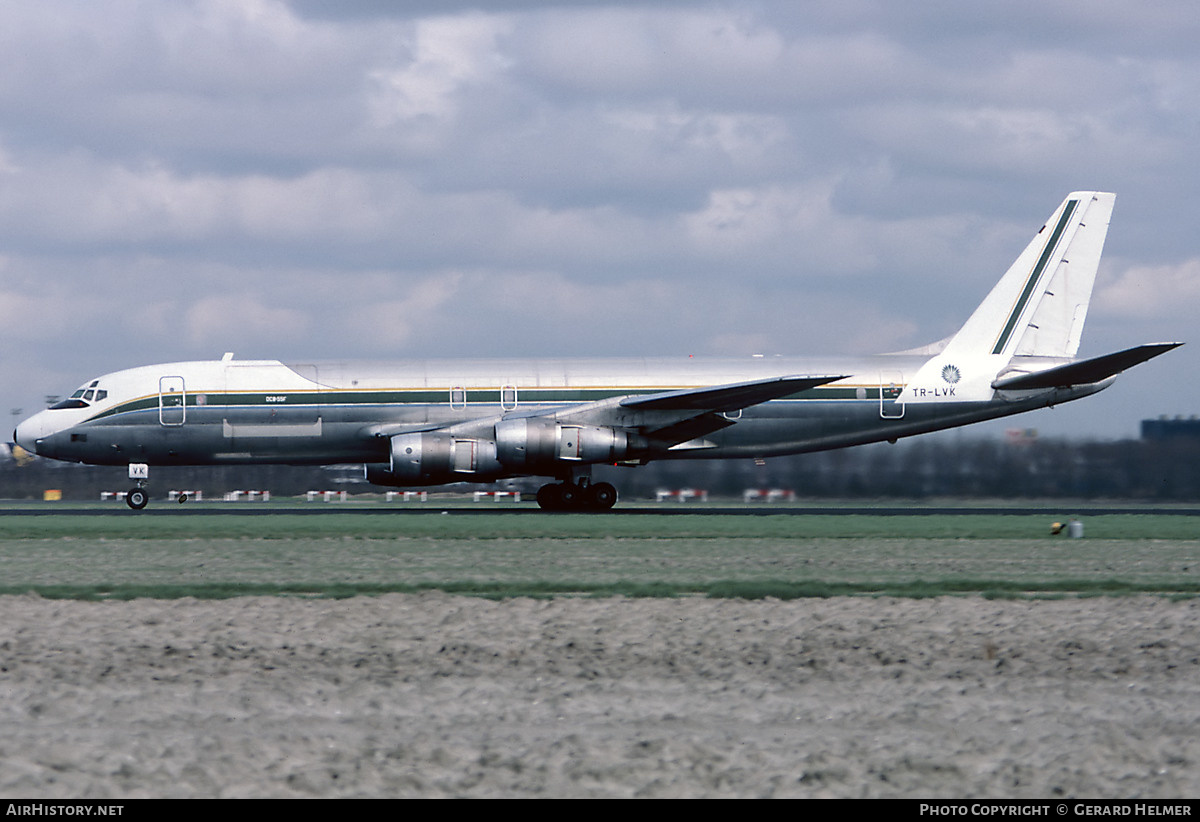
[138,496]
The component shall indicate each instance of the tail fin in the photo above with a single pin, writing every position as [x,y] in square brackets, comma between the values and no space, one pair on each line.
[1039,306]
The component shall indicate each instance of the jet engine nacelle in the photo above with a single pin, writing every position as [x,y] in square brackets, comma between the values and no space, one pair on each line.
[521,446]
[536,443]
[434,458]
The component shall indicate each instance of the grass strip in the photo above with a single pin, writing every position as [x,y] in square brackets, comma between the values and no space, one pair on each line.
[382,526]
[726,589]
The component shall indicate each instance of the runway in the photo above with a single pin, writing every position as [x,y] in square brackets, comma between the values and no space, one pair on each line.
[162,508]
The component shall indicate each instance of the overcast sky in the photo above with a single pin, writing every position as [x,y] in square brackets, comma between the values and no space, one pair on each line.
[320,179]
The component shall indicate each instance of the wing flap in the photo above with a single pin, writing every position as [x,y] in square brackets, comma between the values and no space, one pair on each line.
[1084,372]
[689,430]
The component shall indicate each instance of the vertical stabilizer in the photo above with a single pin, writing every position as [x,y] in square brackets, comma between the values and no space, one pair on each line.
[1055,324]
[1038,308]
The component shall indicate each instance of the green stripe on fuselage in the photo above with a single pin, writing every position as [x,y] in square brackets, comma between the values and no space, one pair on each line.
[525,396]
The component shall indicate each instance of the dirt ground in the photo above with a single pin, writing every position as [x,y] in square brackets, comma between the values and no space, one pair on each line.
[434,695]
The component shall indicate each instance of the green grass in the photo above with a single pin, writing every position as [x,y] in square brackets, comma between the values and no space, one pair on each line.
[121,555]
[524,524]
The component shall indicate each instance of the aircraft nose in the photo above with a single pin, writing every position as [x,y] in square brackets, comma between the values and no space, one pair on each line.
[29,431]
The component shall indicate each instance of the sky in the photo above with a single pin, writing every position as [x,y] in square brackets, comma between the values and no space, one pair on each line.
[387,180]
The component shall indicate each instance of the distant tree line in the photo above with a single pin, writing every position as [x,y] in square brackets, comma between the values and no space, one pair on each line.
[1160,470]
[923,468]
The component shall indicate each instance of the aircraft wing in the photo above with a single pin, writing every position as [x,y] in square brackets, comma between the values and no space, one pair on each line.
[680,419]
[727,397]
[1084,372]
[668,417]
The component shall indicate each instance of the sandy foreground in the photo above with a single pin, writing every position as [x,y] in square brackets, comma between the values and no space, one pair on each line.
[434,695]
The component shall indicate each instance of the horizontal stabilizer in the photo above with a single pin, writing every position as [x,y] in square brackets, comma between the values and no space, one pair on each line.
[1084,372]
[727,397]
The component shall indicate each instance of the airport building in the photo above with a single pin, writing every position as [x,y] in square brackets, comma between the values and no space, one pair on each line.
[1171,429]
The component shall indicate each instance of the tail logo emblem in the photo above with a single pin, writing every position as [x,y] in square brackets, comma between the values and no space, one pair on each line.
[951,374]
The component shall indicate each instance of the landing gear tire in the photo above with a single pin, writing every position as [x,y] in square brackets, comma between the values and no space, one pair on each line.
[569,496]
[549,498]
[137,498]
[601,496]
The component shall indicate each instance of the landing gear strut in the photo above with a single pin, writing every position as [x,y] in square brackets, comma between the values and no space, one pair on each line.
[577,496]
[138,496]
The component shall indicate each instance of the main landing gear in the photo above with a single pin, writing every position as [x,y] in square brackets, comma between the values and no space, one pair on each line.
[577,496]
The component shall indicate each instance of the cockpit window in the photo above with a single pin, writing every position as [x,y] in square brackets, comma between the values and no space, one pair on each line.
[83,397]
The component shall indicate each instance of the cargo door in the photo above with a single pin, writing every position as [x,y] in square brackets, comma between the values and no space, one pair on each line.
[891,384]
[172,401]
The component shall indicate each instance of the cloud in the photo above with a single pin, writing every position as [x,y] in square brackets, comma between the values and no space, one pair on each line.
[238,320]
[448,64]
[393,318]
[1156,292]
[27,316]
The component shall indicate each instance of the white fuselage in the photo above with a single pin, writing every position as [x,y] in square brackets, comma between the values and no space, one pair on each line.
[231,411]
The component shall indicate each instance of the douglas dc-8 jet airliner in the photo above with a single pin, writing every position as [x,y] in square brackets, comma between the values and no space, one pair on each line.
[431,422]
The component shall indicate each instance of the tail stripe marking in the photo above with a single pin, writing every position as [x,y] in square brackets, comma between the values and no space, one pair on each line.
[1034,276]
